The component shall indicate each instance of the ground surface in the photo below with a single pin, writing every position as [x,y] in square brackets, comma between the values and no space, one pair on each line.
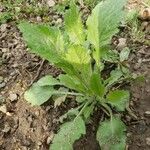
[23,127]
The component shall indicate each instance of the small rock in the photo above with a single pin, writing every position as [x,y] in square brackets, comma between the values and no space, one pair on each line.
[6,128]
[2,85]
[122,43]
[1,79]
[148,141]
[13,97]
[39,143]
[147,113]
[3,27]
[50,3]
[39,19]
[50,138]
[3,108]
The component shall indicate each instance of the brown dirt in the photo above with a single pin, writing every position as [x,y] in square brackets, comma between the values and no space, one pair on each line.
[23,127]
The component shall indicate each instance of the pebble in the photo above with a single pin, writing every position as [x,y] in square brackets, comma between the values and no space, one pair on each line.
[2,85]
[39,19]
[50,138]
[122,43]
[148,141]
[147,113]
[13,97]
[3,27]
[50,3]
[1,79]
[3,108]
[6,128]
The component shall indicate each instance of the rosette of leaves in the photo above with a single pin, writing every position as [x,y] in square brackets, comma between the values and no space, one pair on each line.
[74,49]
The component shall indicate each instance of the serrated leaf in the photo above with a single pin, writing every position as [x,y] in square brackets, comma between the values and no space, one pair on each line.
[118,98]
[73,24]
[124,54]
[71,82]
[69,132]
[43,40]
[80,58]
[103,23]
[109,55]
[111,134]
[58,99]
[96,85]
[48,81]
[37,95]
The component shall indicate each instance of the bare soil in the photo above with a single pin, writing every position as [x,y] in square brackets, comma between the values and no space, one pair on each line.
[23,127]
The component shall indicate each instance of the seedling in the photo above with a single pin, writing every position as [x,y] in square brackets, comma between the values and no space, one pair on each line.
[74,50]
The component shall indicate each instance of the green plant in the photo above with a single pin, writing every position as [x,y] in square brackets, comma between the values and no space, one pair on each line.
[74,50]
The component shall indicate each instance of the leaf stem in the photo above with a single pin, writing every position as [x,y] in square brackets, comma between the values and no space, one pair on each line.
[68,93]
[81,111]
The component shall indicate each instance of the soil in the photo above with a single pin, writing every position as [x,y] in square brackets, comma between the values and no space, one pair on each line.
[23,127]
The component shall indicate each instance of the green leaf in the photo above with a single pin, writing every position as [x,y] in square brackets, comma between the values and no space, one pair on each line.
[111,134]
[43,40]
[124,54]
[80,58]
[88,111]
[72,82]
[69,132]
[48,81]
[96,85]
[103,23]
[118,98]
[109,55]
[115,75]
[73,24]
[60,98]
[37,95]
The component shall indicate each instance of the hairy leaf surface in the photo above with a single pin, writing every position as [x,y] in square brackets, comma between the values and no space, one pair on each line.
[37,95]
[69,132]
[111,135]
[118,98]
[43,40]
[73,25]
[96,85]
[103,23]
[48,80]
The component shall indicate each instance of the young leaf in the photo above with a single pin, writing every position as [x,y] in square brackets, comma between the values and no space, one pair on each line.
[79,57]
[37,95]
[43,40]
[96,85]
[69,132]
[111,134]
[124,54]
[48,81]
[118,98]
[74,25]
[103,23]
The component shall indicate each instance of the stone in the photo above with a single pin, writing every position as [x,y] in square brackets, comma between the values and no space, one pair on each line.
[13,97]
[122,43]
[3,108]
[3,27]
[1,79]
[39,19]
[148,141]
[50,3]
[147,113]
[2,85]
[50,138]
